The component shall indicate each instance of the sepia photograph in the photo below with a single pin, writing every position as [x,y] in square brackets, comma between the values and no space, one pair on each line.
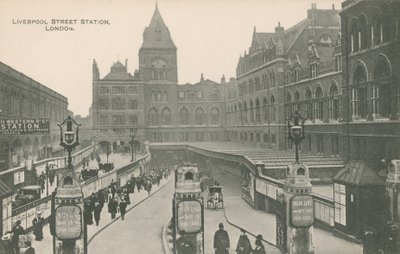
[200,126]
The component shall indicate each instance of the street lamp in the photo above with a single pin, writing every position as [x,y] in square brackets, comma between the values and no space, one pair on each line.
[70,138]
[296,131]
[132,146]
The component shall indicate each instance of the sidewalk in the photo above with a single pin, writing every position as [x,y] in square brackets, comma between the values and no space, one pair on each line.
[257,222]
[46,245]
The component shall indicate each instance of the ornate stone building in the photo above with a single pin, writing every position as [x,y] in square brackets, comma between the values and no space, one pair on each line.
[24,98]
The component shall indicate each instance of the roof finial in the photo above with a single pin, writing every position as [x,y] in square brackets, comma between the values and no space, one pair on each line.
[254,29]
[156,5]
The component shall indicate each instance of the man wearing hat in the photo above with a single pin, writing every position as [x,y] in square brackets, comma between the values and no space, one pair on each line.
[259,248]
[17,230]
[243,245]
[38,224]
[221,240]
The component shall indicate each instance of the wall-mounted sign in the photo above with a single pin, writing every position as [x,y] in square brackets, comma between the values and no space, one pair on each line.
[24,126]
[189,214]
[302,211]
[19,177]
[68,223]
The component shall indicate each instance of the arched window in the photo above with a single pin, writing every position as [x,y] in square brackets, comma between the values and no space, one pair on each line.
[133,104]
[334,102]
[159,96]
[166,116]
[381,97]
[318,104]
[354,36]
[258,111]
[265,109]
[272,108]
[309,105]
[359,92]
[103,104]
[199,116]
[214,116]
[362,32]
[214,96]
[153,117]
[118,103]
[245,111]
[184,116]
[251,111]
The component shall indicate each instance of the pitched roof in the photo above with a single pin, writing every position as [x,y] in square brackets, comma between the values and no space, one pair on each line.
[157,35]
[118,72]
[358,173]
[206,82]
[4,189]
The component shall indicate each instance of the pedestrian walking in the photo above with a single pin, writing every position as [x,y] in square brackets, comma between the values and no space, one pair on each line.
[16,231]
[259,247]
[112,208]
[52,175]
[41,182]
[38,224]
[149,186]
[96,213]
[122,208]
[221,240]
[243,245]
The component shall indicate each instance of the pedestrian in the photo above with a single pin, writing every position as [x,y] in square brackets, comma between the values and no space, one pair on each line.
[88,213]
[112,208]
[30,249]
[38,224]
[97,212]
[243,245]
[41,182]
[259,247]
[122,208]
[52,175]
[221,240]
[149,187]
[16,231]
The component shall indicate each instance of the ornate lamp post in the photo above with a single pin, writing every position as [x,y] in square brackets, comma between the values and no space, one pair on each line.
[132,145]
[296,131]
[70,138]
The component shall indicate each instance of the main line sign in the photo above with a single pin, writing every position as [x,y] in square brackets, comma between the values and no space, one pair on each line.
[302,211]
[68,222]
[24,126]
[189,213]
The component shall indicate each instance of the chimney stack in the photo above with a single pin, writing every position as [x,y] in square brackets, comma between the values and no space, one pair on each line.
[201,78]
[279,28]
[333,7]
[313,6]
[126,64]
[223,80]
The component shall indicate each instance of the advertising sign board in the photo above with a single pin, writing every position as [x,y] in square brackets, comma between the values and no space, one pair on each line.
[189,214]
[302,211]
[68,223]
[24,126]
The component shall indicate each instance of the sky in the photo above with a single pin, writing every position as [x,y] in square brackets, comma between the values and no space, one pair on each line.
[210,36]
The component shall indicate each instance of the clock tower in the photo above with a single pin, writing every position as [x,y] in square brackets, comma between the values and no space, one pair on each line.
[157,55]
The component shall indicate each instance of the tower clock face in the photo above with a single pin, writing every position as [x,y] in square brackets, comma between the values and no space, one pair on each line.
[159,64]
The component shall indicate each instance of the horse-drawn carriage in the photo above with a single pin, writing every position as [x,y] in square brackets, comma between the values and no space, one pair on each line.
[215,197]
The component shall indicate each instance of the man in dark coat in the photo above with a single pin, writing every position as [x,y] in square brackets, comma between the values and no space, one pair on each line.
[52,175]
[122,208]
[259,247]
[112,208]
[97,212]
[17,230]
[243,245]
[38,224]
[221,241]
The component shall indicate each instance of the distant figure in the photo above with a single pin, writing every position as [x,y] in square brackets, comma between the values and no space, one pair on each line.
[52,175]
[221,241]
[122,208]
[243,245]
[112,207]
[97,212]
[259,248]
[38,224]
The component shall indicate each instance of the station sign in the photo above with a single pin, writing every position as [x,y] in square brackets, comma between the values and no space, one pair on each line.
[302,211]
[24,126]
[189,215]
[68,222]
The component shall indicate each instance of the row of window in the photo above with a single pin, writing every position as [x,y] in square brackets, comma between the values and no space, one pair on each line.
[164,118]
[117,104]
[118,89]
[119,120]
[252,85]
[193,96]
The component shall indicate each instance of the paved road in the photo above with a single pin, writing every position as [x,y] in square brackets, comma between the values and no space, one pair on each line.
[140,232]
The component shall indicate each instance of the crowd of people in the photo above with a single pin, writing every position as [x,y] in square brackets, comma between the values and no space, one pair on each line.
[222,243]
[117,197]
